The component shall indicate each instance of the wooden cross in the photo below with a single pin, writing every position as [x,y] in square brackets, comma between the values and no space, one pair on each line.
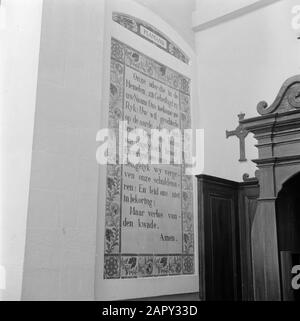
[241,133]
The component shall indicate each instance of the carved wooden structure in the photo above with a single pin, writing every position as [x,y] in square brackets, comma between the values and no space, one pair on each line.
[241,133]
[226,212]
[277,131]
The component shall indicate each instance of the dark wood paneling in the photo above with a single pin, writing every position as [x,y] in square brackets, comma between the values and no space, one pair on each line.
[226,211]
[223,271]
[288,218]
[219,221]
[248,195]
[288,226]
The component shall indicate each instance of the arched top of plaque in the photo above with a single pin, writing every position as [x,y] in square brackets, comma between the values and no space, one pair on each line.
[151,34]
[287,99]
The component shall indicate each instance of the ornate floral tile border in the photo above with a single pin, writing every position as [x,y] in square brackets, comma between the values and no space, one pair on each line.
[143,266]
[116,264]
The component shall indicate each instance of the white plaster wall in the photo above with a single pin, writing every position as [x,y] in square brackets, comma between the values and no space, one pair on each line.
[20,23]
[241,62]
[177,13]
[61,229]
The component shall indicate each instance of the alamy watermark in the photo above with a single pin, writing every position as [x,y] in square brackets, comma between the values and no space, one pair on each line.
[296,279]
[156,146]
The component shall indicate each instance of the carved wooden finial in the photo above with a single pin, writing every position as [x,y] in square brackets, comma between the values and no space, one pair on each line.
[247,178]
[241,116]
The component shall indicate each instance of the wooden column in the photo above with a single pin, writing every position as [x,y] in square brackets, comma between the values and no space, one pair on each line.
[277,131]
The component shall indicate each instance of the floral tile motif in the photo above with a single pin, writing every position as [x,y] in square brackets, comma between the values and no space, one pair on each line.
[111,267]
[185,121]
[187,201]
[185,103]
[187,182]
[145,266]
[188,222]
[188,264]
[117,50]
[112,210]
[112,236]
[151,68]
[184,84]
[129,265]
[116,94]
[126,21]
[114,170]
[161,265]
[175,265]
[188,243]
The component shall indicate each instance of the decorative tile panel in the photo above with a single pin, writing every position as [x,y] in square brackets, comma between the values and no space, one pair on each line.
[143,213]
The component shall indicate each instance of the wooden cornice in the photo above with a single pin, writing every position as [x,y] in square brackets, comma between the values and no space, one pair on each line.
[282,160]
